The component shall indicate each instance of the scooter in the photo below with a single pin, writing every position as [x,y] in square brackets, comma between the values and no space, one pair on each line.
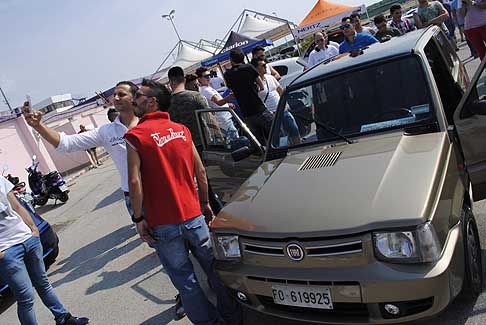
[45,187]
[19,188]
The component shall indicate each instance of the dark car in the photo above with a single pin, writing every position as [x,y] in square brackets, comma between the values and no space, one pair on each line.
[49,239]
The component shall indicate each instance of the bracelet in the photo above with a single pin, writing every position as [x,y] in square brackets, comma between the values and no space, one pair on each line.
[137,220]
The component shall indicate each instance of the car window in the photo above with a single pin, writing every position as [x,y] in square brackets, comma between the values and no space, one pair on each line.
[222,133]
[281,69]
[388,95]
[450,92]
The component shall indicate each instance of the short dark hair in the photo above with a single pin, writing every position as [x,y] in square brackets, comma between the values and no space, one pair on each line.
[394,8]
[354,15]
[237,56]
[176,75]
[111,111]
[379,19]
[133,87]
[160,92]
[254,61]
[200,71]
[190,77]
[345,18]
[256,49]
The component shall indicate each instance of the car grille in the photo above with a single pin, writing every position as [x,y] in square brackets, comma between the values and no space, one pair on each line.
[359,311]
[277,249]
[320,161]
[305,282]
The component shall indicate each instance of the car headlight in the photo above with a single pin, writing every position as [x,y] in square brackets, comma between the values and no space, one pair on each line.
[228,246]
[420,245]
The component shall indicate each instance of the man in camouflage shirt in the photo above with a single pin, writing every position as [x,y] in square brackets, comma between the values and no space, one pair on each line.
[184,103]
[183,106]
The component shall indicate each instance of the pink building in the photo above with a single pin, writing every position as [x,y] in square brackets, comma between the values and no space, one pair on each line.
[18,141]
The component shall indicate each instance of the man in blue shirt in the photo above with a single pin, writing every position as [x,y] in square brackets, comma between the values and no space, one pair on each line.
[352,40]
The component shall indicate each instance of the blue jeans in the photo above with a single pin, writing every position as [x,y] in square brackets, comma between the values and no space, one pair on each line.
[23,266]
[172,243]
[289,124]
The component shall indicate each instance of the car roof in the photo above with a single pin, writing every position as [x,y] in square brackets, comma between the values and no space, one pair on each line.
[284,61]
[397,46]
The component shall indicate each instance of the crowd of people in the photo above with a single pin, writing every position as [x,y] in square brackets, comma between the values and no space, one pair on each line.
[156,124]
[468,16]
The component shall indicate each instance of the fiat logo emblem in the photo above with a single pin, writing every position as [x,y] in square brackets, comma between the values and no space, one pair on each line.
[295,252]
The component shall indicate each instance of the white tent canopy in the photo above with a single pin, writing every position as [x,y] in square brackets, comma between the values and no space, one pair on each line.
[188,57]
[254,27]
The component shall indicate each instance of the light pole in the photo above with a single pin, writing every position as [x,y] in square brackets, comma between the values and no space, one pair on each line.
[170,17]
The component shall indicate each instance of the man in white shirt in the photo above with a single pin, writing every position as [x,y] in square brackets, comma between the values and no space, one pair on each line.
[216,81]
[323,50]
[259,52]
[21,261]
[356,21]
[215,100]
[109,136]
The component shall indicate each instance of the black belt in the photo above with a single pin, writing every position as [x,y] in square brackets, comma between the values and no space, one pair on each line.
[126,193]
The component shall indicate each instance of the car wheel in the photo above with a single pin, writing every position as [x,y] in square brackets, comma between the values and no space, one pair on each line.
[473,279]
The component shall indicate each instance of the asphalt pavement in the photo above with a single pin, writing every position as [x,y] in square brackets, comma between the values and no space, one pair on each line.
[106,273]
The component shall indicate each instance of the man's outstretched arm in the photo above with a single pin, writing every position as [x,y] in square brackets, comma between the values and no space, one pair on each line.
[60,141]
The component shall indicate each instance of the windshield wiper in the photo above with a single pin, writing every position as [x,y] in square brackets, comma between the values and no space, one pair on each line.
[327,128]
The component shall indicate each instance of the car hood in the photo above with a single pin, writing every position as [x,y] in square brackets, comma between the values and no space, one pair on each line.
[378,182]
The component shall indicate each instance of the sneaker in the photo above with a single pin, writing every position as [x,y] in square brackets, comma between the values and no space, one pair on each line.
[180,313]
[71,320]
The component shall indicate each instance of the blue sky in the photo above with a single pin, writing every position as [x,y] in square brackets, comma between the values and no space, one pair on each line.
[52,47]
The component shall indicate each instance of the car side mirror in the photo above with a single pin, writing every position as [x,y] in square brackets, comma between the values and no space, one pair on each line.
[241,153]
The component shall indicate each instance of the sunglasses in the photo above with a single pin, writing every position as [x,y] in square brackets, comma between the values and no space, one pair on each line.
[344,26]
[138,95]
[207,76]
[319,40]
[263,66]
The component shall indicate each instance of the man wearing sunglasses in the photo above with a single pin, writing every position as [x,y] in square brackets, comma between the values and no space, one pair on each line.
[324,49]
[175,216]
[215,100]
[353,41]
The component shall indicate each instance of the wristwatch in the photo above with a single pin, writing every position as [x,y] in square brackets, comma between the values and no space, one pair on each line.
[137,220]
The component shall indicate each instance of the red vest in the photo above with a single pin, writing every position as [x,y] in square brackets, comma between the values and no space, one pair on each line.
[167,169]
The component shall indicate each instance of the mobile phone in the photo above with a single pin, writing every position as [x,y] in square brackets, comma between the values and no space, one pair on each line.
[29,103]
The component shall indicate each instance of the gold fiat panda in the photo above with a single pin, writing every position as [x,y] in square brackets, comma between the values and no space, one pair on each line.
[368,218]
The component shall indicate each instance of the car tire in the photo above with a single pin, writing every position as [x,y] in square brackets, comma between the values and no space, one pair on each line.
[473,277]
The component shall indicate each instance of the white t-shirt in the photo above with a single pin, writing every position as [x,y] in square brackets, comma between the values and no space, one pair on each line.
[109,136]
[224,118]
[317,57]
[270,85]
[216,82]
[13,229]
[368,30]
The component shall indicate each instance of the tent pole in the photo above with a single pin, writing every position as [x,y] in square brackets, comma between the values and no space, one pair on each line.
[166,58]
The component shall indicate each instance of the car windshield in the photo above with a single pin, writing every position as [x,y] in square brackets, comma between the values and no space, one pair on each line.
[381,97]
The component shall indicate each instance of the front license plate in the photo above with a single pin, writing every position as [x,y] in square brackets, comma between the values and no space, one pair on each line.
[313,297]
[63,188]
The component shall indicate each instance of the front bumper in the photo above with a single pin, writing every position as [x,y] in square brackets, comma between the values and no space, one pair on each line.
[358,292]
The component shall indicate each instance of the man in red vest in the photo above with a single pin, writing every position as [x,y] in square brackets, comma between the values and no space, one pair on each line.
[162,164]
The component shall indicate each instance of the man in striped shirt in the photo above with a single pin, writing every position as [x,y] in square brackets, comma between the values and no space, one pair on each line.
[402,24]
